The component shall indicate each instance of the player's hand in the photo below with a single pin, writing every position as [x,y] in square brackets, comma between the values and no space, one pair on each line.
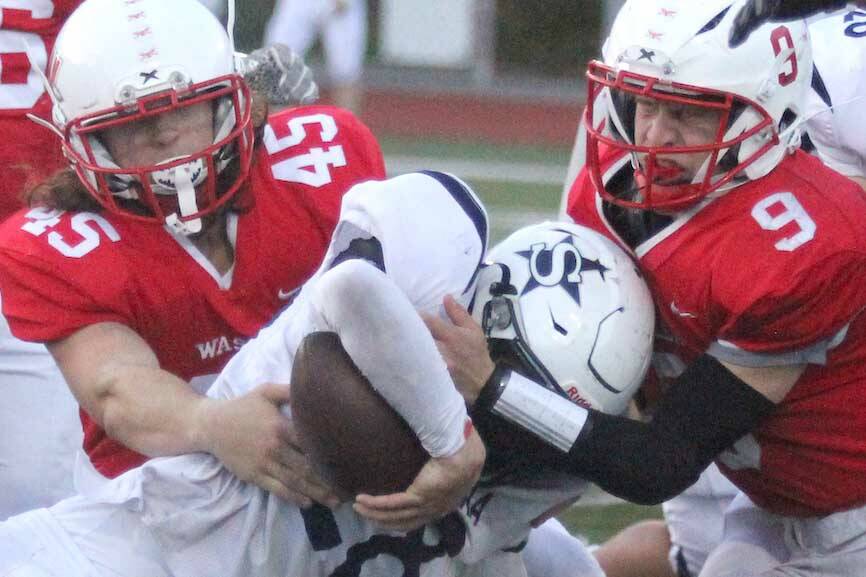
[756,12]
[440,488]
[257,443]
[464,347]
[279,74]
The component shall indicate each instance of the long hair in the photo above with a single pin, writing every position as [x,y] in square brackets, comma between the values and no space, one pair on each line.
[64,190]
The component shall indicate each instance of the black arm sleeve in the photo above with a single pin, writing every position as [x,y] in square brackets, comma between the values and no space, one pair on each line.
[704,412]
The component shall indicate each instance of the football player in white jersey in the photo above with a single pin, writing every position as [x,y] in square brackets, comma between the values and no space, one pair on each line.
[400,246]
[836,124]
[754,13]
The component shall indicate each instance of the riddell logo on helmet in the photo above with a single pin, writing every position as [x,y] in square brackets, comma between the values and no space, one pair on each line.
[576,397]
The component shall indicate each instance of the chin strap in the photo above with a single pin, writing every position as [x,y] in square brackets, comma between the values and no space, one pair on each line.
[181,181]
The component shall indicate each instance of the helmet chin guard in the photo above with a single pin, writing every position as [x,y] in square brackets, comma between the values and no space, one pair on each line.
[181,182]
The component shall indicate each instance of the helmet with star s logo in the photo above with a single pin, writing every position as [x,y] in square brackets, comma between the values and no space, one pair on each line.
[567,307]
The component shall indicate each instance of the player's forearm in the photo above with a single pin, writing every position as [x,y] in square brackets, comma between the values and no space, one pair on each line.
[116,378]
[151,411]
[705,412]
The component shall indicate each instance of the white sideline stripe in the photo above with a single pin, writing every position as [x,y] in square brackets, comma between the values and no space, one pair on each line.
[522,172]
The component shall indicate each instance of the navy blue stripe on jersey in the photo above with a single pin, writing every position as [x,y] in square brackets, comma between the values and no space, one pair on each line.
[470,205]
[321,526]
[369,249]
[820,88]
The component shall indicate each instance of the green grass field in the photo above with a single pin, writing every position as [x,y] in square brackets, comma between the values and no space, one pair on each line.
[596,523]
[512,204]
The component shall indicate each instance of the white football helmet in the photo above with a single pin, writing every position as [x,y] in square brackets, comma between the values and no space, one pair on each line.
[565,306]
[676,52]
[116,63]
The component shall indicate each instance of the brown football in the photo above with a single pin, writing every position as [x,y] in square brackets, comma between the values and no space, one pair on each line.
[358,442]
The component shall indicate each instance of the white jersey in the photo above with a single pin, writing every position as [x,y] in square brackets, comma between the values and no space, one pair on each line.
[340,24]
[433,234]
[41,428]
[839,133]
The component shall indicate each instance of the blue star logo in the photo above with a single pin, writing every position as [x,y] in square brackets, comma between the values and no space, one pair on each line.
[559,265]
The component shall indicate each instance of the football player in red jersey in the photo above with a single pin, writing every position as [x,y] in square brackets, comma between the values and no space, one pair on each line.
[185,222]
[756,258]
[27,31]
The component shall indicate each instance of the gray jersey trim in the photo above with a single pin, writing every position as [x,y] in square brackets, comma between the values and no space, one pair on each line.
[816,354]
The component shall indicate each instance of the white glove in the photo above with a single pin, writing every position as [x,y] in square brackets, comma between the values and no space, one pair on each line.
[279,74]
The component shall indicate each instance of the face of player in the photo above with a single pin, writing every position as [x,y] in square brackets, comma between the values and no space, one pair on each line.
[661,124]
[154,139]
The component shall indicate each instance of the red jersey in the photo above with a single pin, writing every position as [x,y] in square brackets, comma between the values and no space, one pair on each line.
[60,272]
[772,273]
[28,153]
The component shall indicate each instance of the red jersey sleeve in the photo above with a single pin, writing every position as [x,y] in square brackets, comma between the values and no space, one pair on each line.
[791,277]
[786,311]
[320,145]
[46,294]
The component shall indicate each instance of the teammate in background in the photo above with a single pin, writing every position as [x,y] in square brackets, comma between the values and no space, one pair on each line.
[838,95]
[188,516]
[342,27]
[738,234]
[186,221]
[39,416]
[755,13]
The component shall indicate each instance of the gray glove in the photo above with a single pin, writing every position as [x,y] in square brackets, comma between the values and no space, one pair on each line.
[279,74]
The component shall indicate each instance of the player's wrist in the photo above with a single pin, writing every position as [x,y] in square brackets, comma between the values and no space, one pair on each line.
[551,417]
[491,389]
[202,418]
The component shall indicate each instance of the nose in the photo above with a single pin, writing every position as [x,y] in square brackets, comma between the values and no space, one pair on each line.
[165,131]
[662,129]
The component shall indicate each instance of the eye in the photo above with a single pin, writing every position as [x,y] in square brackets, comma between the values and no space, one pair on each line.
[646,106]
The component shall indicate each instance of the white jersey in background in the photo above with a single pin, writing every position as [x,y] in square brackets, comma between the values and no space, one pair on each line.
[342,25]
[41,429]
[839,133]
[204,521]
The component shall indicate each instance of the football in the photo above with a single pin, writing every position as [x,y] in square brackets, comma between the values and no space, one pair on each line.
[354,438]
